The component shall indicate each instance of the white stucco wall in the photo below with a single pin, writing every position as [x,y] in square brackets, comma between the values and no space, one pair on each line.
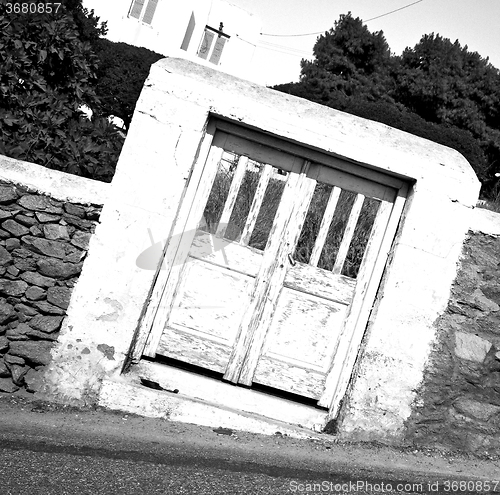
[166,33]
[177,100]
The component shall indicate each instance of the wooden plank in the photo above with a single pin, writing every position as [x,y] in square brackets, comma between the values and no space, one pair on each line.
[245,339]
[349,182]
[186,348]
[348,233]
[210,300]
[223,394]
[321,283]
[256,203]
[297,380]
[304,330]
[221,252]
[179,245]
[239,175]
[263,154]
[325,226]
[289,219]
[371,270]
[145,326]
[330,160]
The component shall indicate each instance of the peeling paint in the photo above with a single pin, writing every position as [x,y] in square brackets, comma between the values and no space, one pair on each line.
[108,351]
[113,316]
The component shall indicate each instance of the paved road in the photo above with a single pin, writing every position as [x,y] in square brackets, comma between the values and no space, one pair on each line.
[32,467]
[56,452]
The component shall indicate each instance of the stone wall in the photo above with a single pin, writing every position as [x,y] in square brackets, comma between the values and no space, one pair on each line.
[43,243]
[458,405]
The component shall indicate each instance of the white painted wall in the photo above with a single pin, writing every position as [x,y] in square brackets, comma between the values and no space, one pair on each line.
[167,30]
[169,122]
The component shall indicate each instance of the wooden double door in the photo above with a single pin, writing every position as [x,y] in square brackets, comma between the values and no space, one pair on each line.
[269,267]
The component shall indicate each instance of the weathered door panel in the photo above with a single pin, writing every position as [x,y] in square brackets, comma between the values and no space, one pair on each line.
[269,286]
[300,343]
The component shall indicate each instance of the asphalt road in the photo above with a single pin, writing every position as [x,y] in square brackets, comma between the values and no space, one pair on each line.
[51,451]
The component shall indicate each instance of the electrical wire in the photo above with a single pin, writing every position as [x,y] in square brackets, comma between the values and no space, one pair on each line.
[321,32]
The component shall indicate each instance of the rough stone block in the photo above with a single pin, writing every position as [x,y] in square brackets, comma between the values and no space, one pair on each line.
[13,271]
[33,352]
[37,279]
[4,343]
[36,231]
[58,269]
[38,335]
[34,203]
[45,307]
[25,310]
[81,239]
[45,217]
[11,360]
[46,324]
[4,371]
[53,231]
[6,385]
[5,256]
[72,209]
[35,293]
[18,332]
[26,220]
[7,311]
[54,249]
[475,409]
[78,222]
[59,296]
[18,373]
[13,287]
[33,380]
[15,228]
[8,194]
[471,347]
[11,244]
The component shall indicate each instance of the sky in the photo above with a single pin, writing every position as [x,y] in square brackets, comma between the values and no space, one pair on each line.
[475,23]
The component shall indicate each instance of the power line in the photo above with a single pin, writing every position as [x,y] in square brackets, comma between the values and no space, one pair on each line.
[321,32]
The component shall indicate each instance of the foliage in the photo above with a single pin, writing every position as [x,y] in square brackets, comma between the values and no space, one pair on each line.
[121,74]
[437,90]
[349,61]
[46,75]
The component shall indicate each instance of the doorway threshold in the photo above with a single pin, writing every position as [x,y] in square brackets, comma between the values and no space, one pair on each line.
[157,390]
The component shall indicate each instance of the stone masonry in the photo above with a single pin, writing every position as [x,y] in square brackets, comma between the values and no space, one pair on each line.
[458,403]
[43,243]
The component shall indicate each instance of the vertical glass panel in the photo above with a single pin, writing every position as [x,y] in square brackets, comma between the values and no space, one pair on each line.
[336,230]
[267,212]
[361,236]
[244,200]
[218,194]
[312,222]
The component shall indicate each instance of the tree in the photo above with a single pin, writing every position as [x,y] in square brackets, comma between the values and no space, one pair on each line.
[350,61]
[46,75]
[445,83]
[122,70]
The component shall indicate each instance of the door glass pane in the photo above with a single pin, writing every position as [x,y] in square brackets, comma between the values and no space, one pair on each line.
[359,241]
[262,207]
[268,209]
[219,192]
[329,245]
[244,200]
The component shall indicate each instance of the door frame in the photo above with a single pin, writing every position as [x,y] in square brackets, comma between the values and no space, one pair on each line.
[369,277]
